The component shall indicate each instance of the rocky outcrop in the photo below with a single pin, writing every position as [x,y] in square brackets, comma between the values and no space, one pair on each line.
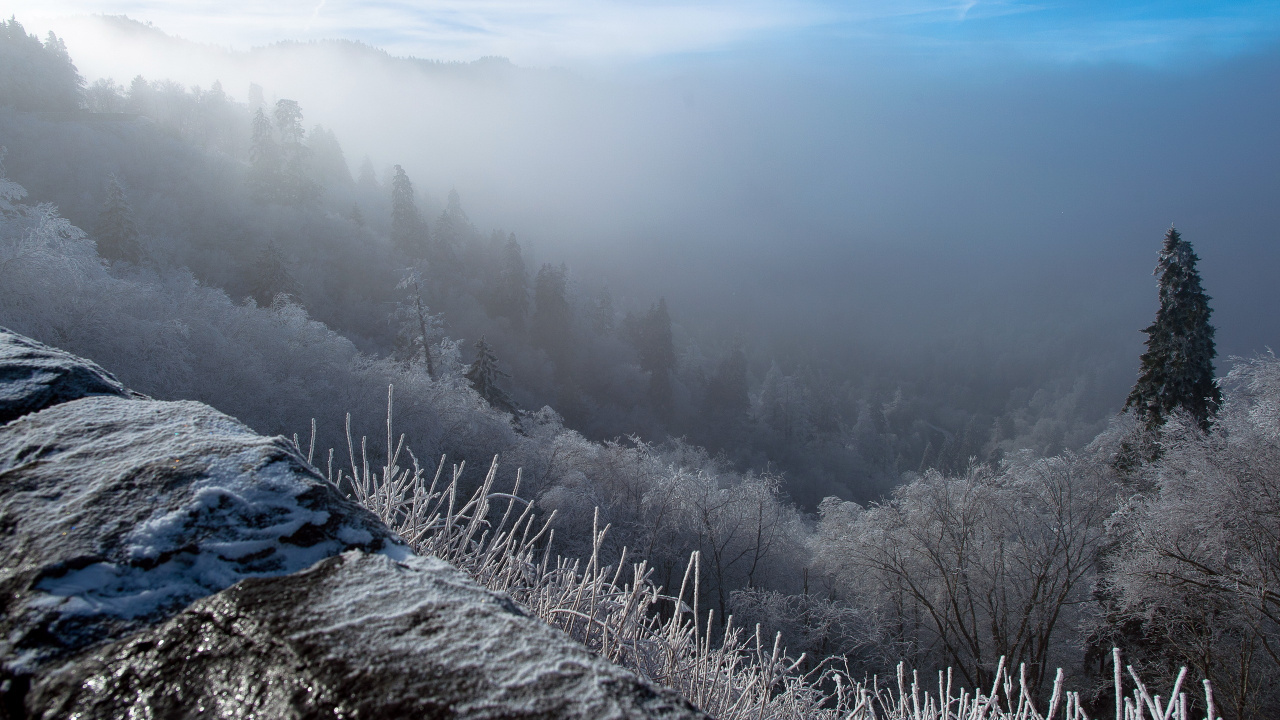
[160,559]
[35,376]
[356,635]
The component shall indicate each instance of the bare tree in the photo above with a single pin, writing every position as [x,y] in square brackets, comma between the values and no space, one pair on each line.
[971,568]
[1198,567]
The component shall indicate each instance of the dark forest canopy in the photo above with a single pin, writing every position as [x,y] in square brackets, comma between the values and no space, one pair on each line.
[36,76]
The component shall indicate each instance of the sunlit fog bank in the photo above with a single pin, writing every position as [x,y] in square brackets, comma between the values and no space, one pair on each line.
[847,308]
[895,202]
[874,218]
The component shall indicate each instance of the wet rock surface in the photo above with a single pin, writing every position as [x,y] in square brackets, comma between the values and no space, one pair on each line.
[354,636]
[117,513]
[34,376]
[160,559]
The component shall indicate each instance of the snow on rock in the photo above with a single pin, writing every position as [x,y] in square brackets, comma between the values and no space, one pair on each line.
[354,636]
[160,559]
[34,376]
[117,513]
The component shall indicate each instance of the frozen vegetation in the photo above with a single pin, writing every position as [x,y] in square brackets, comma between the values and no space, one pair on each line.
[646,492]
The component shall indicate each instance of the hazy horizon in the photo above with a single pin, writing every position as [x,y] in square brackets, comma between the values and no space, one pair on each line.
[981,183]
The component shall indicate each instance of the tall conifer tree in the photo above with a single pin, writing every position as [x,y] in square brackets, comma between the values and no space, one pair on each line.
[117,233]
[407,230]
[511,292]
[264,159]
[484,374]
[1177,368]
[552,321]
[657,353]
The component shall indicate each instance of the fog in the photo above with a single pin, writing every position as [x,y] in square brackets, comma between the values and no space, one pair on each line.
[815,198]
[790,289]
[978,224]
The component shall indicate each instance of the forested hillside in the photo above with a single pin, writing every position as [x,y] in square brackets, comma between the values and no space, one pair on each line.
[226,250]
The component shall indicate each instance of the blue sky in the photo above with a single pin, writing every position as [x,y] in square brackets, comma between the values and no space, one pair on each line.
[574,32]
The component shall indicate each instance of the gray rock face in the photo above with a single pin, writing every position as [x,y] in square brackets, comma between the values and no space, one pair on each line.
[34,376]
[159,559]
[117,513]
[354,636]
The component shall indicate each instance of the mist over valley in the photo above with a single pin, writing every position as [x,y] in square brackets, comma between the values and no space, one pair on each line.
[778,287]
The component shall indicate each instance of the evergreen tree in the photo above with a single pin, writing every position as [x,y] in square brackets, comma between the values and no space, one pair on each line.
[256,99]
[452,226]
[407,231]
[264,158]
[34,76]
[511,295]
[368,177]
[1177,368]
[552,316]
[656,349]
[117,232]
[484,375]
[452,229]
[140,96]
[327,160]
[288,117]
[294,185]
[66,86]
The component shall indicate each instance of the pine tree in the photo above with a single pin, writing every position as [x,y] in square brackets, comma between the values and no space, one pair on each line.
[34,76]
[327,159]
[117,232]
[1177,368]
[452,226]
[511,296]
[368,177]
[407,231]
[484,374]
[264,160]
[552,315]
[294,185]
[288,116]
[654,345]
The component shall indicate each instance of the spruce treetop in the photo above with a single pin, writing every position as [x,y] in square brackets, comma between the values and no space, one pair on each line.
[1177,368]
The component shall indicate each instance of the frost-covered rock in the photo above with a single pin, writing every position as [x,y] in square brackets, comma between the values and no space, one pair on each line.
[34,376]
[354,636]
[119,512]
[160,559]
